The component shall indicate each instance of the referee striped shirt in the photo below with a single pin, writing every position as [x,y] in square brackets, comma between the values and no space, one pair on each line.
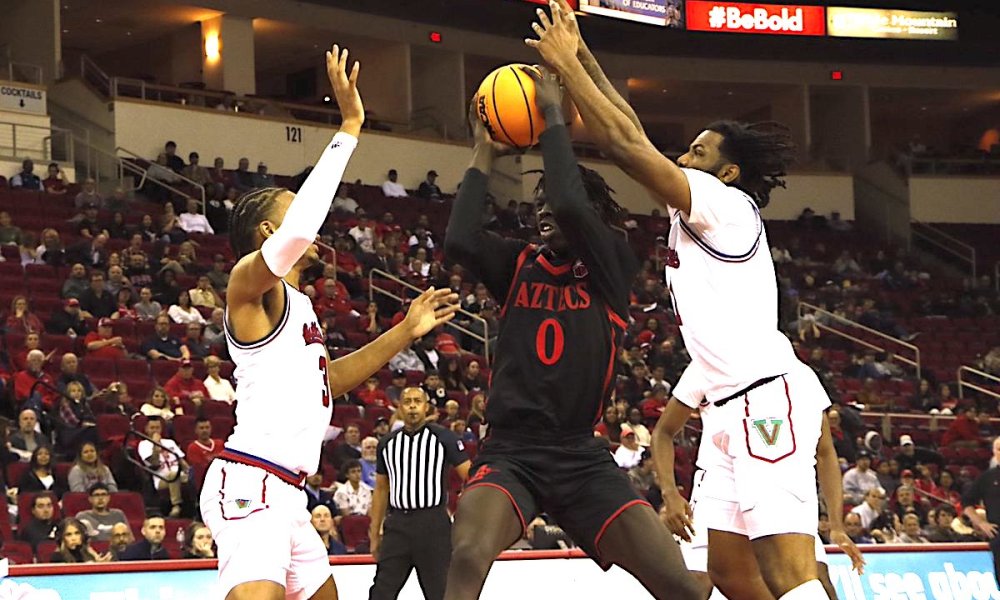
[416,464]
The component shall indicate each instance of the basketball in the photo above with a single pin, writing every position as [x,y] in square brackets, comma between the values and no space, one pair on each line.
[506,106]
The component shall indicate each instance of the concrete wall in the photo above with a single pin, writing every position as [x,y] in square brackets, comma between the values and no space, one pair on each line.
[955,199]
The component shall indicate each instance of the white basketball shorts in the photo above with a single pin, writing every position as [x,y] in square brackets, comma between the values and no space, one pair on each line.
[262,530]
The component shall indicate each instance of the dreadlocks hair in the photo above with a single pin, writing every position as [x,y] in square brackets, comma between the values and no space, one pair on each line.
[763,152]
[251,208]
[599,194]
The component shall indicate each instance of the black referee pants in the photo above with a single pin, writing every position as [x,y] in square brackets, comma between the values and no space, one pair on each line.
[415,539]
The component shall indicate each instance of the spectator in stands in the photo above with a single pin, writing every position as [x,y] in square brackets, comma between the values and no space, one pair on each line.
[162,345]
[316,494]
[170,226]
[396,385]
[147,309]
[54,183]
[184,386]
[334,297]
[118,401]
[629,453]
[174,162]
[217,209]
[96,302]
[472,377]
[218,387]
[193,221]
[860,479]
[364,234]
[243,177]
[845,444]
[19,357]
[204,447]
[408,359]
[372,394]
[147,229]
[39,476]
[118,202]
[10,234]
[41,527]
[610,426]
[158,405]
[204,295]
[77,283]
[451,374]
[103,343]
[221,179]
[434,386]
[195,172]
[354,497]
[116,280]
[100,520]
[121,538]
[946,489]
[27,438]
[26,178]
[940,530]
[86,223]
[69,371]
[342,202]
[634,421]
[906,503]
[428,188]
[392,189]
[88,195]
[350,449]
[369,458]
[33,388]
[214,333]
[845,265]
[944,403]
[923,398]
[198,542]
[910,455]
[50,251]
[872,510]
[963,432]
[154,529]
[218,276]
[887,472]
[911,531]
[20,319]
[88,470]
[126,303]
[118,229]
[322,522]
[262,178]
[184,311]
[166,290]
[427,353]
[74,422]
[167,460]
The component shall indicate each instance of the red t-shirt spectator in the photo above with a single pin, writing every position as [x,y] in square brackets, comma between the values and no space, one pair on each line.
[962,429]
[347,264]
[23,382]
[199,455]
[105,352]
[375,397]
[178,387]
[652,407]
[340,303]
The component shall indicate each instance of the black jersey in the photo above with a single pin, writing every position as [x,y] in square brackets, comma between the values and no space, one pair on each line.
[563,319]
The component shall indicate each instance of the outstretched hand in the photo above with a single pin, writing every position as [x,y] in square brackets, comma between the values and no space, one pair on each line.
[345,85]
[480,136]
[558,37]
[677,514]
[429,310]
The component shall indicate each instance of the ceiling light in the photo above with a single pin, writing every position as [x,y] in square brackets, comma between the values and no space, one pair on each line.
[97,20]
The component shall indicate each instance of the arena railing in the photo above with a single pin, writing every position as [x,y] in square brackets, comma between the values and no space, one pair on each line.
[962,374]
[948,244]
[198,189]
[19,141]
[22,72]
[373,288]
[889,340]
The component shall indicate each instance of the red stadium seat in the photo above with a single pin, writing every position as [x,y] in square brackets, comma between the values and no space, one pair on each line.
[74,502]
[19,553]
[355,532]
[109,426]
[222,427]
[131,504]
[15,471]
[45,551]
[215,408]
[184,430]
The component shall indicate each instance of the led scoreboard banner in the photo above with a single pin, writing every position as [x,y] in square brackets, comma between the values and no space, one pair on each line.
[891,23]
[665,13]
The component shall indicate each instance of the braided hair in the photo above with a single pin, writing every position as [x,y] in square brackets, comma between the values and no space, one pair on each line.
[763,152]
[251,208]
[599,194]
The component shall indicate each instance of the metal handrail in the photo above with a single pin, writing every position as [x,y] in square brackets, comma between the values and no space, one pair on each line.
[91,72]
[13,68]
[194,184]
[372,288]
[46,150]
[964,252]
[966,384]
[915,362]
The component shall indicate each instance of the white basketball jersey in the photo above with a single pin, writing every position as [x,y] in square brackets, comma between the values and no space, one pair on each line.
[282,392]
[725,294]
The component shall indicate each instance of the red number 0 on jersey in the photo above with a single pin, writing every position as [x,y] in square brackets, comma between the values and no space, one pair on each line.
[542,342]
[326,382]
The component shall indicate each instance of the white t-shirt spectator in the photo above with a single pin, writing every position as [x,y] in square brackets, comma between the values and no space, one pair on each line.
[195,223]
[220,390]
[365,237]
[169,461]
[355,502]
[391,189]
[344,204]
[626,458]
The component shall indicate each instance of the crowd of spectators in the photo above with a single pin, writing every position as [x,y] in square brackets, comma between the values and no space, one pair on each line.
[143,284]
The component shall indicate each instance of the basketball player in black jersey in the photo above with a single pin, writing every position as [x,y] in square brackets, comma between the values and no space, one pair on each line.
[562,322]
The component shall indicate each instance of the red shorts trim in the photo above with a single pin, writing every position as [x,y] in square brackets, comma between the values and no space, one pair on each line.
[615,515]
[517,509]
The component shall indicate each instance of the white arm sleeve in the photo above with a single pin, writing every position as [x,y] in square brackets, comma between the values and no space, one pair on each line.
[309,209]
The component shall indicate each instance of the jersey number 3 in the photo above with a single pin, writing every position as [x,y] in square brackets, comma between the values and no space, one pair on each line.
[326,382]
[547,357]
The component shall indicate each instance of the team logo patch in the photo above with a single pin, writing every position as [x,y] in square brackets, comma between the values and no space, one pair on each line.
[312,334]
[672,260]
[769,436]
[480,474]
[241,503]
[579,269]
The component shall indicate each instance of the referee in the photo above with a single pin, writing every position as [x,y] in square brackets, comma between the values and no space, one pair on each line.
[410,480]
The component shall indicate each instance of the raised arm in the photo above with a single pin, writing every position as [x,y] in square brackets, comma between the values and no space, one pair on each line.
[260,271]
[613,131]
[467,242]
